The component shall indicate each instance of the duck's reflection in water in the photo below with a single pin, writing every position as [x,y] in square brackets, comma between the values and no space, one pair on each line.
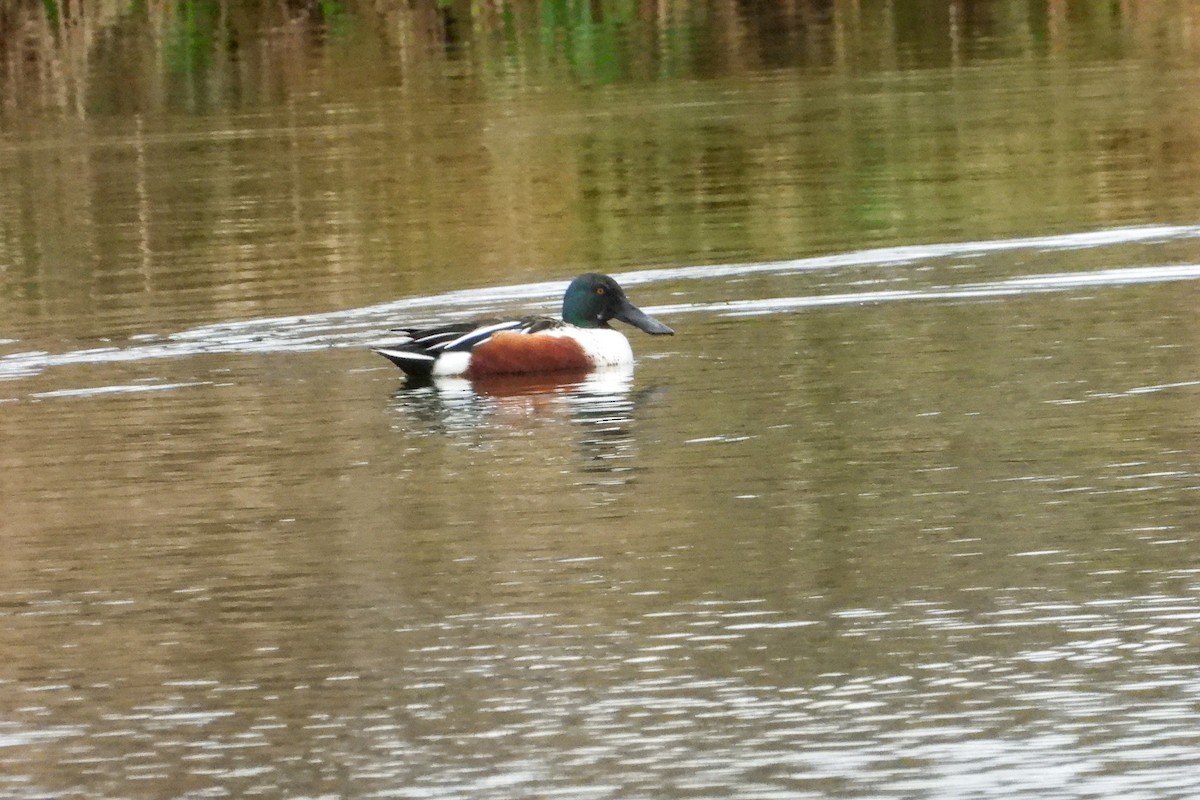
[599,407]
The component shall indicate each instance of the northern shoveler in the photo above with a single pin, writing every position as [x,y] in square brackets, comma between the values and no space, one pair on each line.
[580,341]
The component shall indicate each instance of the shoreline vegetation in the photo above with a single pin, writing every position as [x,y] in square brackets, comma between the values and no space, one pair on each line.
[94,57]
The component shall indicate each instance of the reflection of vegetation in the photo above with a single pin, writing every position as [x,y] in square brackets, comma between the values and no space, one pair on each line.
[47,48]
[51,12]
[591,43]
[191,40]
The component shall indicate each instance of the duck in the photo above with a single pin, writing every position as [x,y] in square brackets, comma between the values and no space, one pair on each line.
[581,341]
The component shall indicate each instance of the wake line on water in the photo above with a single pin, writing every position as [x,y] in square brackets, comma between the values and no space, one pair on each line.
[1059,282]
[466,303]
[362,326]
[908,254]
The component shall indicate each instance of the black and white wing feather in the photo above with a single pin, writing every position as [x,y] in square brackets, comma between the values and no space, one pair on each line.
[418,349]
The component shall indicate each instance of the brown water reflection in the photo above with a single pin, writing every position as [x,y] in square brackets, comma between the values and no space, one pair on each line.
[894,564]
[360,187]
[916,521]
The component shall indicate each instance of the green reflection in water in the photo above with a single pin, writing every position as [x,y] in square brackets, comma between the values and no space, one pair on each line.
[203,54]
[342,155]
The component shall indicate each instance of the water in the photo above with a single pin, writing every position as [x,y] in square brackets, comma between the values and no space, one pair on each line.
[905,509]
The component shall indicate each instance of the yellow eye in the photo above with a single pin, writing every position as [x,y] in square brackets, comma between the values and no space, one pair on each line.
[599,290]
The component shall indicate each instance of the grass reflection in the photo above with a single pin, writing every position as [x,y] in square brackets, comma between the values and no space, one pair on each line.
[97,55]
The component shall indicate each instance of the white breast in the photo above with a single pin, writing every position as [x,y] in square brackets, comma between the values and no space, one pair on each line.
[604,346]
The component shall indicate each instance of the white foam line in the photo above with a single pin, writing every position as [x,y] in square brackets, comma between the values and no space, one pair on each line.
[1059,282]
[906,254]
[1137,390]
[1162,387]
[466,301]
[126,389]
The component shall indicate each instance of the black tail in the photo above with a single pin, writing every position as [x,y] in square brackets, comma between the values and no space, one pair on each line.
[414,364]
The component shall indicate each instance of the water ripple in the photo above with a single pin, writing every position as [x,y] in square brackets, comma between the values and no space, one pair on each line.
[359,327]
[1056,282]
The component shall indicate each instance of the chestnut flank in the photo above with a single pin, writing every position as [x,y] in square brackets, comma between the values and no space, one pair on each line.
[509,353]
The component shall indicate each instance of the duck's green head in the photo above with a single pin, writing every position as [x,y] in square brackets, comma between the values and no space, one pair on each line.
[593,299]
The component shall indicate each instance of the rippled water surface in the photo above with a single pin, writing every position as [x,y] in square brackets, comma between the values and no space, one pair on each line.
[908,507]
